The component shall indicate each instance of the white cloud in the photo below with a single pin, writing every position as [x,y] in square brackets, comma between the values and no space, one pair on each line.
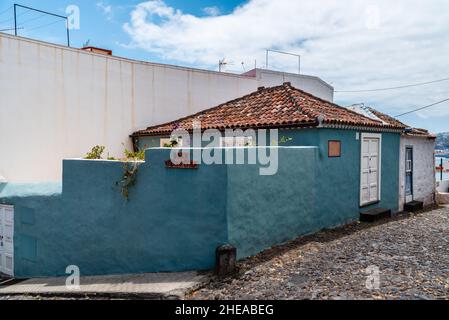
[353,44]
[106,9]
[212,11]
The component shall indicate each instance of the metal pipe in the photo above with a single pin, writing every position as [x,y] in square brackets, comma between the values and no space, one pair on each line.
[29,8]
[44,12]
[68,33]
[287,53]
[15,19]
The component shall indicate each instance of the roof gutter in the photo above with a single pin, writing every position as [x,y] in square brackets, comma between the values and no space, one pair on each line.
[317,124]
[285,126]
[362,128]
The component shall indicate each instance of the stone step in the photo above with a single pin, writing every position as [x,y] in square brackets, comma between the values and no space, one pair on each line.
[375,214]
[414,206]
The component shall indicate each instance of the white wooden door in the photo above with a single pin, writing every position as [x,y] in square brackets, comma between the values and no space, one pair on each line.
[370,168]
[7,240]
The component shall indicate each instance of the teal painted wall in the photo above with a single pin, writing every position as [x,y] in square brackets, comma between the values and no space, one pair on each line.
[295,202]
[339,178]
[266,210]
[176,218]
[173,221]
[149,142]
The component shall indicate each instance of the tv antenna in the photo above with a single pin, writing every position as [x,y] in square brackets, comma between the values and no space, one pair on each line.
[222,64]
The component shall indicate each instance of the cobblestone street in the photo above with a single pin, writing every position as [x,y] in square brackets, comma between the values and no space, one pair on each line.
[410,252]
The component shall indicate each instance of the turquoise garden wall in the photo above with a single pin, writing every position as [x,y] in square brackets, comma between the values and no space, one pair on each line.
[175,218]
[169,222]
[266,210]
[338,179]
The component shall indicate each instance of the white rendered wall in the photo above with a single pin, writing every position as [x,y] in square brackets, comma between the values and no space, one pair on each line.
[310,84]
[423,169]
[57,102]
[443,186]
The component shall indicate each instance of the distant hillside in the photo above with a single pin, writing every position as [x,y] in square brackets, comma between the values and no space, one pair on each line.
[443,140]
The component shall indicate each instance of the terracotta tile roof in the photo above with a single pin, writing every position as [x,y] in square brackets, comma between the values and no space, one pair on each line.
[387,118]
[409,130]
[281,106]
[421,132]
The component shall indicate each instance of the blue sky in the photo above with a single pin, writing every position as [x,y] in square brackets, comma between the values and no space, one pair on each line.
[101,22]
[352,44]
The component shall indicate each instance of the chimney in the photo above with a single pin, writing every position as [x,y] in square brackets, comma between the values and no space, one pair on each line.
[98,50]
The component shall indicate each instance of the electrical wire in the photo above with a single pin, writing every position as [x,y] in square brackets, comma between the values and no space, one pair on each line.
[33,19]
[12,18]
[6,10]
[12,29]
[45,25]
[6,21]
[393,88]
[422,108]
[3,12]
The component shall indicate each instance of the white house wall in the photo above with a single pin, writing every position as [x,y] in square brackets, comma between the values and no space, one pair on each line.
[310,84]
[423,169]
[57,102]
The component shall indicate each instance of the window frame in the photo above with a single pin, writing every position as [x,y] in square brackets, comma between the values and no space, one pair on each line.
[329,142]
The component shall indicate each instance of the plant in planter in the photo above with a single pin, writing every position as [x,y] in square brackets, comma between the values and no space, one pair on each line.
[174,142]
[285,139]
[96,153]
[134,155]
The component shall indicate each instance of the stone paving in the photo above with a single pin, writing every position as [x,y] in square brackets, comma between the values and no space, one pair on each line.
[140,286]
[403,258]
[409,253]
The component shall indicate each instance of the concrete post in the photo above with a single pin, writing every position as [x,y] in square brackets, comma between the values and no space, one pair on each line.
[226,257]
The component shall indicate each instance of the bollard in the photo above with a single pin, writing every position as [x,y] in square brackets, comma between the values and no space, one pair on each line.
[226,257]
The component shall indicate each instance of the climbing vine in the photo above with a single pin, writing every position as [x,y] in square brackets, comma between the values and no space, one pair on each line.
[131,163]
[129,177]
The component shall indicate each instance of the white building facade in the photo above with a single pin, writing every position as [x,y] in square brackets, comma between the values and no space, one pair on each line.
[58,102]
[417,169]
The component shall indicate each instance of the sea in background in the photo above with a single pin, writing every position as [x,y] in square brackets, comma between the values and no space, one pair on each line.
[445,165]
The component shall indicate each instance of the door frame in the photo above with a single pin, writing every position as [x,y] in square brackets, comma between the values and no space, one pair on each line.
[4,206]
[409,147]
[379,175]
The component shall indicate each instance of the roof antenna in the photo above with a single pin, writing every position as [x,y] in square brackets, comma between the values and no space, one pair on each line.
[221,64]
